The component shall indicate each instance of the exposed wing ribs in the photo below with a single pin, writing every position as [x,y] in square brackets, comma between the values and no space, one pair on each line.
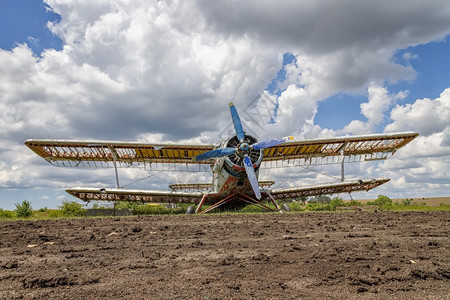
[100,154]
[327,189]
[101,194]
[333,150]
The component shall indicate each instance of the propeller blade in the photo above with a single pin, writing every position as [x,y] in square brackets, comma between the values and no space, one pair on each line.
[252,176]
[214,153]
[271,143]
[237,122]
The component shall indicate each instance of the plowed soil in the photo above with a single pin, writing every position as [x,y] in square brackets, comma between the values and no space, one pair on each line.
[354,255]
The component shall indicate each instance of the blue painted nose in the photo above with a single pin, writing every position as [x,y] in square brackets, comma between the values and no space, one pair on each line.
[243,147]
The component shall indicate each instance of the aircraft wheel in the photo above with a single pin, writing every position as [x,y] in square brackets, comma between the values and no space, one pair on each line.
[286,207]
[190,210]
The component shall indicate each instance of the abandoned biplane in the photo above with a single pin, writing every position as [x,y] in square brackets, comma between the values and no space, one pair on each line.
[235,163]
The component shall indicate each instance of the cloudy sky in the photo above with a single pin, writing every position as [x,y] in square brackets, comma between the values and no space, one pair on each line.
[164,71]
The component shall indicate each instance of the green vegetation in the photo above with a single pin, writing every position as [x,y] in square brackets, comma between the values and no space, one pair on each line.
[418,207]
[336,201]
[249,209]
[70,209]
[383,202]
[24,209]
[323,203]
[159,209]
[6,214]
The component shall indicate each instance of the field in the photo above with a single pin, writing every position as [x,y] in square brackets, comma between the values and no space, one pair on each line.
[429,201]
[351,255]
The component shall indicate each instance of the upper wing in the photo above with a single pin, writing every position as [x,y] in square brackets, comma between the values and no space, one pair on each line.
[72,153]
[327,189]
[333,150]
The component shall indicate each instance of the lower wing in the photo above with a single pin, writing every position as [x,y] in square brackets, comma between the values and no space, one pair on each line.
[194,197]
[114,194]
[327,189]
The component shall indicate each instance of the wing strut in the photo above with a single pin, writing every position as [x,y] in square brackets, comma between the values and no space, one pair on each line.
[115,166]
[199,206]
[273,201]
[342,162]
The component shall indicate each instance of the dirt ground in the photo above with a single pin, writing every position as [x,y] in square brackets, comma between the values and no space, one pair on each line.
[353,255]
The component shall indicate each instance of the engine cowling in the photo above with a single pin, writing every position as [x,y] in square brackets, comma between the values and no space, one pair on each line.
[234,163]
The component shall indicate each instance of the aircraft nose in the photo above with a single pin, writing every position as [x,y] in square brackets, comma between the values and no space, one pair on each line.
[243,147]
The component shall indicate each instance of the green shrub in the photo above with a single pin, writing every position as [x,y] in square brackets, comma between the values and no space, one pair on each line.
[55,213]
[44,209]
[24,209]
[126,205]
[72,208]
[407,202]
[335,202]
[383,202]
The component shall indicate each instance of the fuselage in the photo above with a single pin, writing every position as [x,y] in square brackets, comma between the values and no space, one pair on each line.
[229,176]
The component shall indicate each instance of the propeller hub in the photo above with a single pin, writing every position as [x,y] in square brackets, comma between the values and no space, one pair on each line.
[244,147]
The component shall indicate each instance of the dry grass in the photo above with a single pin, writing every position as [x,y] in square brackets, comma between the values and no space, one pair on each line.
[429,201]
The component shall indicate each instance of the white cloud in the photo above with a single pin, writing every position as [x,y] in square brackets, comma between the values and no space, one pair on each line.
[422,166]
[426,116]
[374,110]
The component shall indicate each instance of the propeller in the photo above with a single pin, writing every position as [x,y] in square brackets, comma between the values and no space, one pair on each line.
[243,148]
[270,143]
[214,153]
[252,176]
[237,122]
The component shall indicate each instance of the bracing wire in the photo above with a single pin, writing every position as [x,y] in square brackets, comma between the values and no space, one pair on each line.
[302,170]
[146,177]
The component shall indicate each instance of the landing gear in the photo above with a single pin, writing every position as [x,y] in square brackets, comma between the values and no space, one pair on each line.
[286,207]
[237,197]
[190,210]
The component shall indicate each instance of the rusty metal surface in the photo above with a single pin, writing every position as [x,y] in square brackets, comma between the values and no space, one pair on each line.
[207,186]
[101,153]
[100,194]
[361,148]
[190,186]
[328,189]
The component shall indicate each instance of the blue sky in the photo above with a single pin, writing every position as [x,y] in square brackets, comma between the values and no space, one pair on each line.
[171,78]
[432,64]
[25,21]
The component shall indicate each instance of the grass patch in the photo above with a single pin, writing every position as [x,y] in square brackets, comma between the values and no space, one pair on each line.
[159,210]
[400,207]
[6,214]
[74,209]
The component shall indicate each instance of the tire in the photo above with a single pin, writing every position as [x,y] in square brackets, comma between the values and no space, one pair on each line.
[286,207]
[190,210]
